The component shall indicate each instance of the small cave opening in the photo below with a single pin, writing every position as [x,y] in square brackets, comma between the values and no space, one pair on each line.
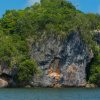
[5,76]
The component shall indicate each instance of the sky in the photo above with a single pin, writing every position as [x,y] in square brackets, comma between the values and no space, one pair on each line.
[87,6]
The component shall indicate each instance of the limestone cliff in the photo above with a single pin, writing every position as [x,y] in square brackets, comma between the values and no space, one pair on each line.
[63,62]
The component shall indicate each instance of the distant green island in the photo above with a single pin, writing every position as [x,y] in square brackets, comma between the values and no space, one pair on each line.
[50,44]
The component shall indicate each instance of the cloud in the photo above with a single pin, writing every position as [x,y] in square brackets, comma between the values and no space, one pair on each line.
[31,2]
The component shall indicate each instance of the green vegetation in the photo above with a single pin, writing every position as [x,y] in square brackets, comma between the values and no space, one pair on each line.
[27,69]
[19,28]
[95,70]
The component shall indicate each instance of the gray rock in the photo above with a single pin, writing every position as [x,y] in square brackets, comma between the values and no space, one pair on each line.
[62,61]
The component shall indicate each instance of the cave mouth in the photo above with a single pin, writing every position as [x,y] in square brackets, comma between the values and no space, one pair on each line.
[5,76]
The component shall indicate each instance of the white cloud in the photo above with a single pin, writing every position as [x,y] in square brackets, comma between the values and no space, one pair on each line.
[31,2]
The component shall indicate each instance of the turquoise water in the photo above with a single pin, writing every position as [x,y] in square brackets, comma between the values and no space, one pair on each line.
[50,94]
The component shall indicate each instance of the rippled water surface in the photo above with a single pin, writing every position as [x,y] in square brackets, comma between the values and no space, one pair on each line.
[50,94]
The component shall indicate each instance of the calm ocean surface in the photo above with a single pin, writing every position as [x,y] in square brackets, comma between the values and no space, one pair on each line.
[50,94]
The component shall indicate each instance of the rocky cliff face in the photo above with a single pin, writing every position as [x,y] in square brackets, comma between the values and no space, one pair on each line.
[63,62]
